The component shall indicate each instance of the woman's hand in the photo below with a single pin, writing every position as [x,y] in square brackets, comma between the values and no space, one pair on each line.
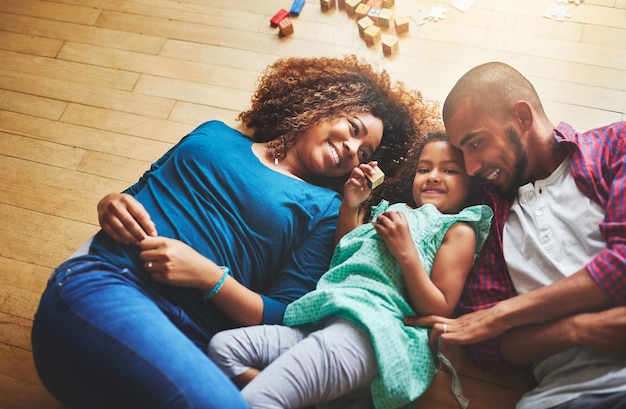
[123,218]
[173,262]
[357,188]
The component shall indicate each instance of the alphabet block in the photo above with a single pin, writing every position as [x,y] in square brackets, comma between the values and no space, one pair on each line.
[285,27]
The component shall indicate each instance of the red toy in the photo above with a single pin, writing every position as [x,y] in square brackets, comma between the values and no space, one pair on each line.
[282,13]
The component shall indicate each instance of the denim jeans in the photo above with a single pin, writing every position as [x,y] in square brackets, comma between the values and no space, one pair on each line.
[103,338]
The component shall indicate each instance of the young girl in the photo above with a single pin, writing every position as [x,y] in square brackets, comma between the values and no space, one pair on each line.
[348,333]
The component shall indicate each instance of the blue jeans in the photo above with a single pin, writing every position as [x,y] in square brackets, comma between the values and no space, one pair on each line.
[103,338]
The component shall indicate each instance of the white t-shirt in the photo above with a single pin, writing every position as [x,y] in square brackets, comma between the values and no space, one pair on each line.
[551,233]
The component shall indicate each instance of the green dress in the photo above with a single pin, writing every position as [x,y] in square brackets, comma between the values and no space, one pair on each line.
[365,286]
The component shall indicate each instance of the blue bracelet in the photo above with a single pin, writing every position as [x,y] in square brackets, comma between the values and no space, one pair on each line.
[218,286]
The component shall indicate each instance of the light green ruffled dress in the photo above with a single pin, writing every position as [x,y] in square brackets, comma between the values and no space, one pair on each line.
[364,285]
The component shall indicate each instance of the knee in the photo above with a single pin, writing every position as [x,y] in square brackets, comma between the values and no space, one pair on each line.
[219,349]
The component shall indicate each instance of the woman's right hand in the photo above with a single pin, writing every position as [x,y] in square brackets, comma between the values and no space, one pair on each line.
[357,188]
[123,218]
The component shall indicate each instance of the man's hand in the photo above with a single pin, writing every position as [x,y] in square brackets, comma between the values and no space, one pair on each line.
[467,329]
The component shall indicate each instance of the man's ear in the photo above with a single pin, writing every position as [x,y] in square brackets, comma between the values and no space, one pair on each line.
[524,114]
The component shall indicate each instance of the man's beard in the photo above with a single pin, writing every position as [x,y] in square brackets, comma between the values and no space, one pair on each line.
[521,161]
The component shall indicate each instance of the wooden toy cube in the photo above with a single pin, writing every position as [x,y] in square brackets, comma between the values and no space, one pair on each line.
[374,3]
[327,4]
[377,179]
[390,44]
[385,18]
[402,24]
[351,6]
[364,23]
[285,27]
[341,4]
[372,34]
[361,10]
[374,14]
[388,4]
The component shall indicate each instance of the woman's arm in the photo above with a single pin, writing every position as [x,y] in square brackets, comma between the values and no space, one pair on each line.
[355,192]
[173,262]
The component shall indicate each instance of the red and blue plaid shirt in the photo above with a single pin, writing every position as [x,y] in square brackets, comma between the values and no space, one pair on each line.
[598,161]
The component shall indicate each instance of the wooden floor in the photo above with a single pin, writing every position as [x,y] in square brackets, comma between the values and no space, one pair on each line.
[92,91]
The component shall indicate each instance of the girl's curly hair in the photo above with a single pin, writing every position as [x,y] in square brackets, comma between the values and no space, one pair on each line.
[295,94]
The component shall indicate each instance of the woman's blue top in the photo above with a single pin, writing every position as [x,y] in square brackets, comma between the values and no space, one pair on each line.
[275,233]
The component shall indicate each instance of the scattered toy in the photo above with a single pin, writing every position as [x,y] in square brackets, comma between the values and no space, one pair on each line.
[296,8]
[285,27]
[281,14]
[557,12]
[390,44]
[375,180]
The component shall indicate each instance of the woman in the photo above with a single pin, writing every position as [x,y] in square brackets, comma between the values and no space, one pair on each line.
[224,230]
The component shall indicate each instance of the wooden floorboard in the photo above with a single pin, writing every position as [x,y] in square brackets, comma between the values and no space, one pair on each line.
[93,91]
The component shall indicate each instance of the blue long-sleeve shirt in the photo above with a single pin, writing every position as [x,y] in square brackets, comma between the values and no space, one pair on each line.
[275,233]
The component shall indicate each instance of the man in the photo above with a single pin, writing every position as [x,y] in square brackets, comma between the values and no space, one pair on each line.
[549,287]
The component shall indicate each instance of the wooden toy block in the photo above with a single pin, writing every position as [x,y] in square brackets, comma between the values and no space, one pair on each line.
[341,4]
[285,27]
[372,34]
[390,44]
[327,4]
[351,6]
[375,180]
[385,18]
[402,24]
[364,23]
[361,10]
[387,4]
[374,3]
[374,14]
[282,13]
[296,8]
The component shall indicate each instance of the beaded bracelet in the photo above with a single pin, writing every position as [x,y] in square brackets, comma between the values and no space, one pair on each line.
[218,286]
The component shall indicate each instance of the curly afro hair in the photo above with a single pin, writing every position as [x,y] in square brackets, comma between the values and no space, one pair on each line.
[295,94]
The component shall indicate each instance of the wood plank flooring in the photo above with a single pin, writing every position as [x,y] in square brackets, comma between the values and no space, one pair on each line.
[92,91]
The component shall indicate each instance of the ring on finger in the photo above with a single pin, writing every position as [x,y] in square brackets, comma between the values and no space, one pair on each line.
[445,328]
[149,265]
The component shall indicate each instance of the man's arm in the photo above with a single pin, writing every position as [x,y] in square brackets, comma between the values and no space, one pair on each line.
[604,331]
[527,314]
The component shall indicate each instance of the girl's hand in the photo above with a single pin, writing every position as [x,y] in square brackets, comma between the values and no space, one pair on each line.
[357,188]
[173,262]
[123,218]
[394,229]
